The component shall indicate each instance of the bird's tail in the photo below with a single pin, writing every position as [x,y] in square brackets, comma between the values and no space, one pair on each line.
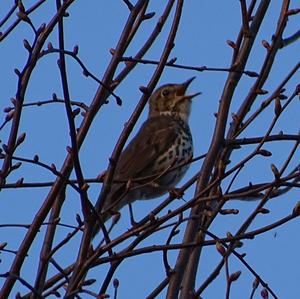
[113,202]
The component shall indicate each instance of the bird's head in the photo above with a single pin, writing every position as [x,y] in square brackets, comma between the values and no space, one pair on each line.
[171,99]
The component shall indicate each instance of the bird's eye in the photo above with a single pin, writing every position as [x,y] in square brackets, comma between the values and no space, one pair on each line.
[165,92]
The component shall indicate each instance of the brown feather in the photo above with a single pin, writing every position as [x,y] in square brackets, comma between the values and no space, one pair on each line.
[139,155]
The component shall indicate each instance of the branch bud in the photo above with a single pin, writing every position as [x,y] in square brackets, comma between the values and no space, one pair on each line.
[292,12]
[235,276]
[275,171]
[149,15]
[261,91]
[16,166]
[88,282]
[296,210]
[278,107]
[21,139]
[3,245]
[264,293]
[251,74]
[266,45]
[27,45]
[220,248]
[78,219]
[231,44]
[41,29]
[255,283]
[144,90]
[112,51]
[49,46]
[76,112]
[75,49]
[172,60]
[264,211]
[116,283]
[9,115]
[17,72]
[264,153]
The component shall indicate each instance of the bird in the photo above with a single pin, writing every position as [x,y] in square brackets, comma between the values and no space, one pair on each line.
[163,142]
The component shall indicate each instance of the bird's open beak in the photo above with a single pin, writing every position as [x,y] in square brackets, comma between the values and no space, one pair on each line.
[183,87]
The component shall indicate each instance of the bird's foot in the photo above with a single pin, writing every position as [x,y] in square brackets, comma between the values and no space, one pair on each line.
[176,192]
[101,176]
[115,217]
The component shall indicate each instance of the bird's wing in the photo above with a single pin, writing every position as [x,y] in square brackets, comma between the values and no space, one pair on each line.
[153,139]
[137,160]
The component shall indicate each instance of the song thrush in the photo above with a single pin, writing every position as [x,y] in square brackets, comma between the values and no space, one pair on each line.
[163,142]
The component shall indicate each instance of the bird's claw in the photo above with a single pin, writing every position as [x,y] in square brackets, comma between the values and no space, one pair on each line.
[176,192]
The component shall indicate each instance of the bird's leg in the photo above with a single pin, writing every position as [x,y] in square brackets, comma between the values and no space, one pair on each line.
[132,221]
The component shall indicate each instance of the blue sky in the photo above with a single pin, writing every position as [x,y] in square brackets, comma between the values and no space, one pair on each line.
[96,26]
